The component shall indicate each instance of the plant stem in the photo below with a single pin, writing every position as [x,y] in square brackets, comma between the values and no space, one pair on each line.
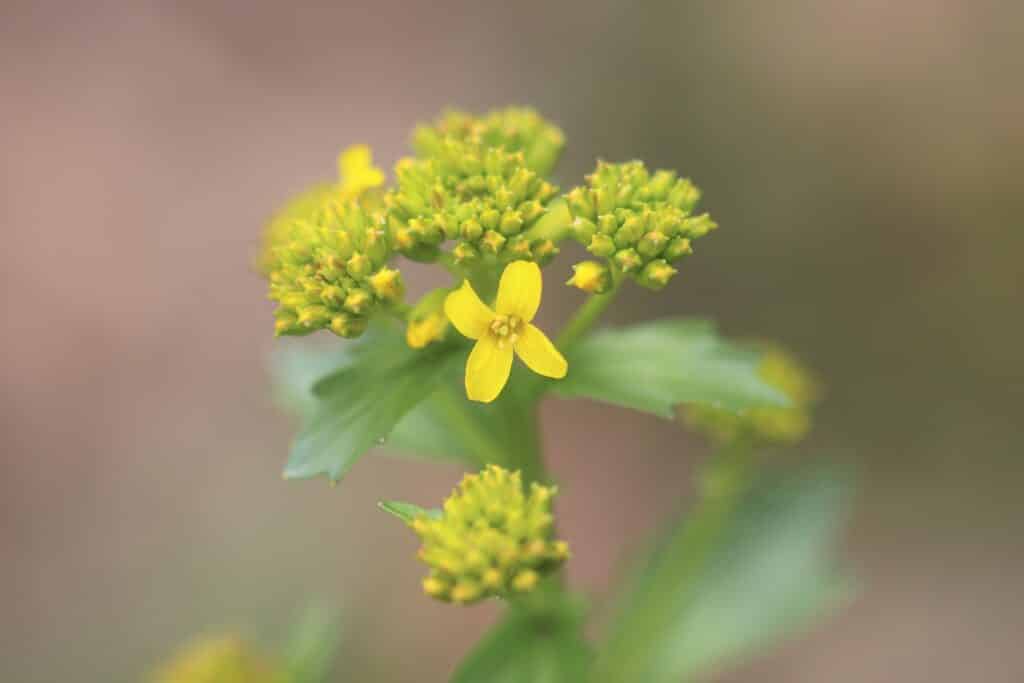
[481,442]
[587,315]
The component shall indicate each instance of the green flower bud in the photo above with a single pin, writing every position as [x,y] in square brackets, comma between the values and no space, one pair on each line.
[677,248]
[640,221]
[543,251]
[601,245]
[656,274]
[652,244]
[628,260]
[492,242]
[583,229]
[348,326]
[465,253]
[492,539]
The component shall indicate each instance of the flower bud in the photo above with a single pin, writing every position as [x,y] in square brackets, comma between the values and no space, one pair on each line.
[591,277]
[492,539]
[656,274]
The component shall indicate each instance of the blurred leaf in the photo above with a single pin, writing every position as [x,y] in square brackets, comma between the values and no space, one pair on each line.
[406,511]
[313,646]
[739,573]
[529,648]
[655,366]
[359,404]
[444,426]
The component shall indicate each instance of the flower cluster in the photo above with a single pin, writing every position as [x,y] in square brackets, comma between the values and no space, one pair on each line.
[484,198]
[218,660]
[514,129]
[490,539]
[358,180]
[639,222]
[768,426]
[332,273]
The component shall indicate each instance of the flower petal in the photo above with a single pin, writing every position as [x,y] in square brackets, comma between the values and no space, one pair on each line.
[519,290]
[487,369]
[469,315]
[539,354]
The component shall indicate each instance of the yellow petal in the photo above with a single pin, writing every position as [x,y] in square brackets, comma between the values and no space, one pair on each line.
[519,290]
[487,369]
[539,354]
[355,166]
[469,315]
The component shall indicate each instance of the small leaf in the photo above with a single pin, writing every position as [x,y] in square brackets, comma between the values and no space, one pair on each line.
[360,404]
[736,576]
[406,511]
[655,366]
[525,647]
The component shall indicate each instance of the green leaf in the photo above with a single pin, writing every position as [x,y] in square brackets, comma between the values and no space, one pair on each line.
[524,647]
[444,426]
[406,511]
[654,367]
[742,571]
[359,404]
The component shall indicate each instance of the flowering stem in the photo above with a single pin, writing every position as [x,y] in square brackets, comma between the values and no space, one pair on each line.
[587,315]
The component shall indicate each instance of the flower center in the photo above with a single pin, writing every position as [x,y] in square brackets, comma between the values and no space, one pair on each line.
[506,329]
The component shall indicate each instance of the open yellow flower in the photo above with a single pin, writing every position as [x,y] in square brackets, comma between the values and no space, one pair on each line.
[499,332]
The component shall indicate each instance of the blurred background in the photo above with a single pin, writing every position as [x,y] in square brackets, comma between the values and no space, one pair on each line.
[864,160]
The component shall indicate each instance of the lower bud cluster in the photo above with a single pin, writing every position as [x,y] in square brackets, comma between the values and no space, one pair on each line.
[491,539]
[331,273]
[638,222]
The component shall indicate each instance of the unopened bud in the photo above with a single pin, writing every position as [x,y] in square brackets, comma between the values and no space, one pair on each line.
[591,277]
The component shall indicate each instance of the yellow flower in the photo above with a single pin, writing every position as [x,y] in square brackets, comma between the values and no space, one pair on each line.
[355,166]
[499,332]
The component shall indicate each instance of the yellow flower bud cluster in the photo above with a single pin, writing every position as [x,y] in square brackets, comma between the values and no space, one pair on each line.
[289,221]
[491,539]
[514,129]
[218,660]
[332,273]
[640,222]
[484,198]
[766,426]
[358,180]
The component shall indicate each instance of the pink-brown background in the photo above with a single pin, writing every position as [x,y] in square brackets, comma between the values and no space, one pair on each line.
[863,158]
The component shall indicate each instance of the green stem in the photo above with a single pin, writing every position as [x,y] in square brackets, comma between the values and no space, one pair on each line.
[587,315]
[480,441]
[677,569]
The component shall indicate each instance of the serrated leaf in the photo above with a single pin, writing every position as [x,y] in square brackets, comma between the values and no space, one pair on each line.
[528,648]
[360,404]
[426,431]
[733,578]
[654,367]
[406,511]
